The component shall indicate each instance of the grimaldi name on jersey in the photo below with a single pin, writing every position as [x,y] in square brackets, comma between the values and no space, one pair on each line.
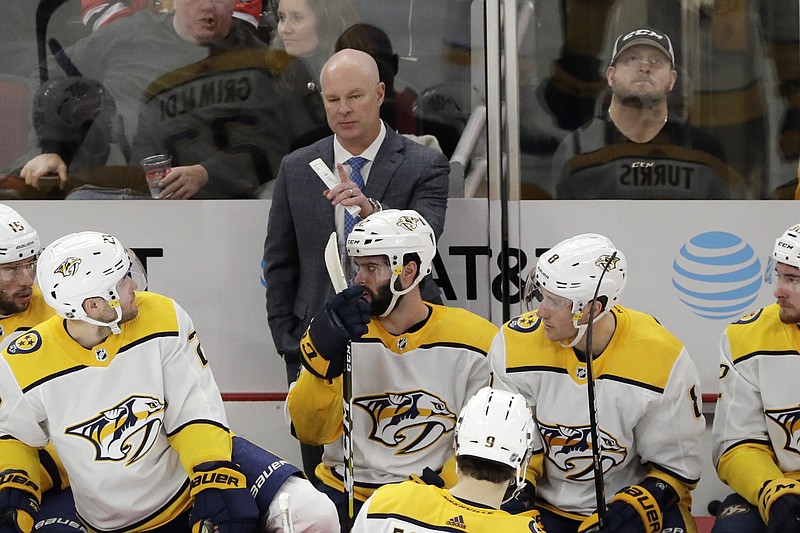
[652,174]
[210,92]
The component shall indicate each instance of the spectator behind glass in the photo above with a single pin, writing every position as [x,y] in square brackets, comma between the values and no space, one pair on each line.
[306,30]
[97,13]
[223,144]
[636,151]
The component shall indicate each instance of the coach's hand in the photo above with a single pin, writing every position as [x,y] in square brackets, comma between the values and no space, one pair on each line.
[779,505]
[342,319]
[17,508]
[221,496]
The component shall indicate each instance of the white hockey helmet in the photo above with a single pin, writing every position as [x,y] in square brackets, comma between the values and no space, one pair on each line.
[497,426]
[393,233]
[572,269]
[18,239]
[787,247]
[786,251]
[80,266]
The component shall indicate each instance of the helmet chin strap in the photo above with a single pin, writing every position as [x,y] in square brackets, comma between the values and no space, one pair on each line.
[114,325]
[582,329]
[396,294]
[578,337]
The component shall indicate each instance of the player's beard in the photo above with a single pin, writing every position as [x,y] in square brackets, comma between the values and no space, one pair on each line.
[789,316]
[642,99]
[8,306]
[381,299]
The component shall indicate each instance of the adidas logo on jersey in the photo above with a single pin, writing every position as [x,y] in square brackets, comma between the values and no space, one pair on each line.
[456,521]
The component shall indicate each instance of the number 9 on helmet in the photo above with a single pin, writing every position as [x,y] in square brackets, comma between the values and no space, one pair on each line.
[496,426]
[80,266]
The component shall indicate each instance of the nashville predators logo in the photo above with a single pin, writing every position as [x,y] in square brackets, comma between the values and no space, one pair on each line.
[68,267]
[124,432]
[407,222]
[789,422]
[605,261]
[408,421]
[570,449]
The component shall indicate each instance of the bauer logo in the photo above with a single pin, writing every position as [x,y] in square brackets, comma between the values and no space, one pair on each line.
[717,275]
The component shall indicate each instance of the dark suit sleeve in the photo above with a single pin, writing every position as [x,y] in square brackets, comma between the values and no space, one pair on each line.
[430,197]
[281,264]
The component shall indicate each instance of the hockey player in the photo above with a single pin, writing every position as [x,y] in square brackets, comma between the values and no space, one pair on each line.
[649,423]
[493,440]
[755,433]
[21,304]
[141,351]
[414,364]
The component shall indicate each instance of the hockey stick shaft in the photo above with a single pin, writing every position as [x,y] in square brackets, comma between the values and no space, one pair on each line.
[339,282]
[597,453]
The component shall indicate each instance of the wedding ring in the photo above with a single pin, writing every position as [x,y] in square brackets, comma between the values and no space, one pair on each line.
[351,191]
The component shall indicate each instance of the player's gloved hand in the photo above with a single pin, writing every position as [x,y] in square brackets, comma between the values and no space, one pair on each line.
[429,477]
[221,497]
[779,505]
[520,501]
[342,319]
[17,508]
[635,509]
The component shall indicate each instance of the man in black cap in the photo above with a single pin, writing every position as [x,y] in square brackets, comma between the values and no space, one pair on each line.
[635,151]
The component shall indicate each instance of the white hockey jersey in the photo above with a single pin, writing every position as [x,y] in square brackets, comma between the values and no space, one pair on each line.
[125,417]
[648,408]
[758,409]
[407,392]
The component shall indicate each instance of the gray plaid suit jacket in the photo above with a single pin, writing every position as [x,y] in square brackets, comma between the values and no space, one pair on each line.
[404,175]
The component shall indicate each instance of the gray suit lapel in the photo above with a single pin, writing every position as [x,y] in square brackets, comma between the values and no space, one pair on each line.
[387,161]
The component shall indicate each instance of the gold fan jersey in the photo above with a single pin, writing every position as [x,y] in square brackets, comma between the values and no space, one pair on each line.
[648,408]
[756,432]
[407,392]
[14,325]
[410,507]
[127,418]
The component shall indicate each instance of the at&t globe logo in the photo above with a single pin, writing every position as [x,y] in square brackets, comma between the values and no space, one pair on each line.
[717,275]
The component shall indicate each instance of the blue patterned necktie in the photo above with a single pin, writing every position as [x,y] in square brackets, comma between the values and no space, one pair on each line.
[356,164]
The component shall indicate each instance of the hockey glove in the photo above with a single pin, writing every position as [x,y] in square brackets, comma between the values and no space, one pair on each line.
[429,477]
[636,509]
[779,505]
[340,320]
[522,501]
[221,496]
[17,509]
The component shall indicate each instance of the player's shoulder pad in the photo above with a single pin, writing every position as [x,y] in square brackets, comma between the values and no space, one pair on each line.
[524,323]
